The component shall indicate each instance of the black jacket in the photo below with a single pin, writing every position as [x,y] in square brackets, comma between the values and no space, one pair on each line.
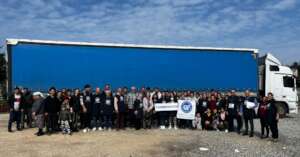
[235,101]
[52,105]
[108,105]
[121,103]
[75,103]
[97,106]
[248,113]
[12,99]
[88,101]
[138,108]
[202,106]
[271,112]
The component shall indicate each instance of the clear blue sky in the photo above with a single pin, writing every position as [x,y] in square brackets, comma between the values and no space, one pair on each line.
[269,25]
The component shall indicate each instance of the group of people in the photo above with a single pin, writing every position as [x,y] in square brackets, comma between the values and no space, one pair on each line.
[90,110]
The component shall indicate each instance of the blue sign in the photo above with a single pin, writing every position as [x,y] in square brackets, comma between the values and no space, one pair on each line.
[186,106]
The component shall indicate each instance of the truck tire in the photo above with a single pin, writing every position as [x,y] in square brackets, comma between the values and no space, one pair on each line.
[282,109]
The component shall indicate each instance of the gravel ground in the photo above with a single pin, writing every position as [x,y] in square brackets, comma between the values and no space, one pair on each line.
[151,143]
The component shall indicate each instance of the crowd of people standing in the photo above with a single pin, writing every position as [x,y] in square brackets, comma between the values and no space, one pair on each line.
[90,110]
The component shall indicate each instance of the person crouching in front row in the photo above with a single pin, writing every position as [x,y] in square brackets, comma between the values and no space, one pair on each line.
[223,123]
[208,120]
[38,109]
[197,122]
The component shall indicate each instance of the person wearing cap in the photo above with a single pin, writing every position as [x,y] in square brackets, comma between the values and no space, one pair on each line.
[16,104]
[52,108]
[234,112]
[38,109]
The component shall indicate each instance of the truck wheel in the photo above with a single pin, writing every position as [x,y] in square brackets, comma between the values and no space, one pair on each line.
[281,108]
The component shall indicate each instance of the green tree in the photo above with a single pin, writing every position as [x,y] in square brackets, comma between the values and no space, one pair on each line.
[3,76]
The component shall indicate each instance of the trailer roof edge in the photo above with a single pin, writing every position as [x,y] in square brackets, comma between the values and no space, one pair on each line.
[12,41]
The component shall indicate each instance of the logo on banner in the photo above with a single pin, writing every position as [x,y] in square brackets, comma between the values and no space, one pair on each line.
[186,107]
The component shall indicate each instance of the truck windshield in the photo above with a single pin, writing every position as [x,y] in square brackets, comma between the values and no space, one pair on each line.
[288,81]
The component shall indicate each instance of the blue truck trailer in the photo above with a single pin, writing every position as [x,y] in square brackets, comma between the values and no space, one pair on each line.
[39,64]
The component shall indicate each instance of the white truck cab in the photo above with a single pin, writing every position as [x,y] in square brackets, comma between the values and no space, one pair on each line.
[279,80]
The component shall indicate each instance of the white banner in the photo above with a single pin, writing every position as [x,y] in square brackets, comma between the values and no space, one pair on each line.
[165,107]
[186,109]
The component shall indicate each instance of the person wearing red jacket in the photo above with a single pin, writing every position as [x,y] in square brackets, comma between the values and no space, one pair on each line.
[262,114]
[212,105]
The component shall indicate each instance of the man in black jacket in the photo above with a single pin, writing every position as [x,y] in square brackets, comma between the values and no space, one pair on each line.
[52,107]
[86,104]
[75,110]
[27,114]
[96,110]
[234,112]
[249,104]
[16,105]
[272,117]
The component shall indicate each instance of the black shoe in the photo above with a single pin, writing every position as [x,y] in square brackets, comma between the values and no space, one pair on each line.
[9,130]
[262,137]
[244,134]
[251,135]
[40,134]
[19,129]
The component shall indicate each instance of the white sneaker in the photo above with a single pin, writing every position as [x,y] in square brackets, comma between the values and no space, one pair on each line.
[163,127]
[84,130]
[94,129]
[88,130]
[226,131]
[175,127]
[100,129]
[170,127]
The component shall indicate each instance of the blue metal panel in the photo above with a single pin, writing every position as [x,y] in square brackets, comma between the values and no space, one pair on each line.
[39,66]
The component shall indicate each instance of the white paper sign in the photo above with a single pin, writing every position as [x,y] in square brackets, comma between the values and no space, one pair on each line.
[165,107]
[250,105]
[231,105]
[186,109]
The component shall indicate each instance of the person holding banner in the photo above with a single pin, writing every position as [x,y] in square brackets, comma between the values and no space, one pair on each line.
[172,98]
[249,103]
[162,98]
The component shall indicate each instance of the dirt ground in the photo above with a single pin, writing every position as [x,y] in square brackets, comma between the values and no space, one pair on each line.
[144,143]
